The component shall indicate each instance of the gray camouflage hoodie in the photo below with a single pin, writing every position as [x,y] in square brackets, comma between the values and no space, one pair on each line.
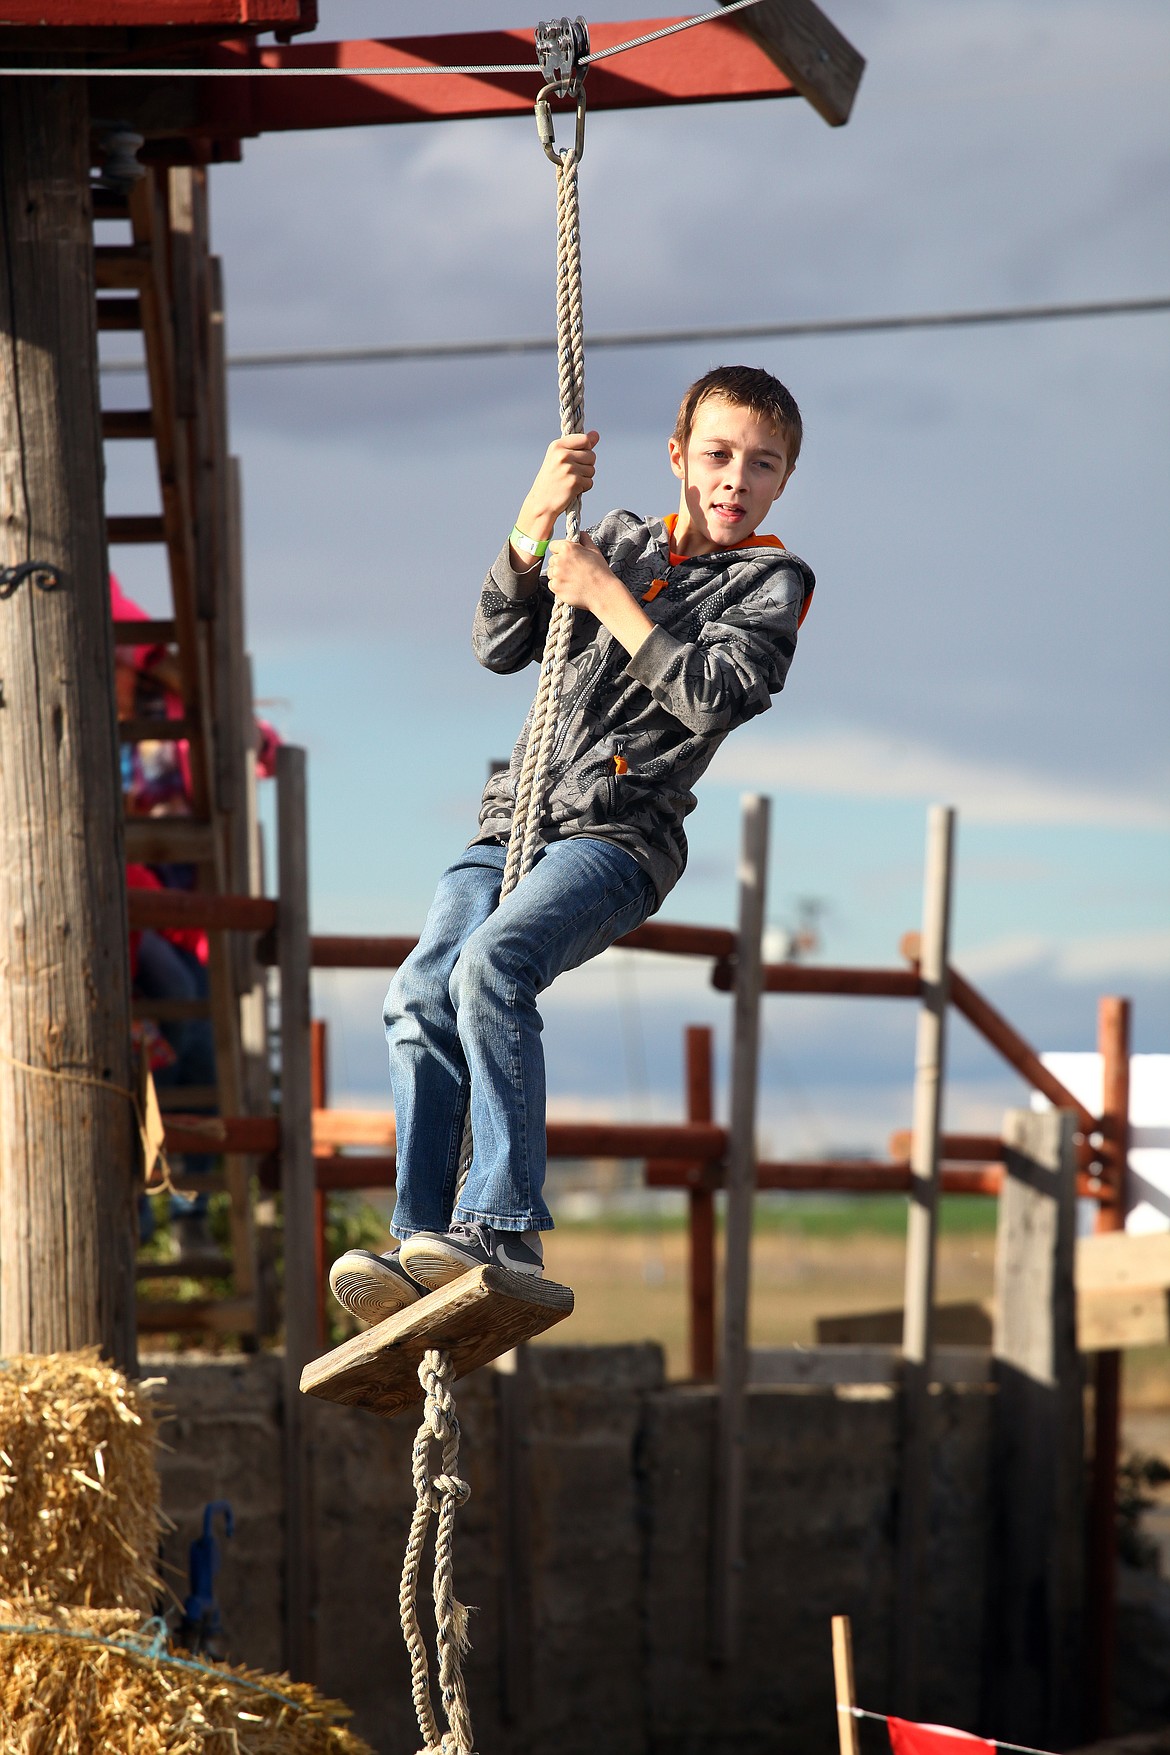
[634,734]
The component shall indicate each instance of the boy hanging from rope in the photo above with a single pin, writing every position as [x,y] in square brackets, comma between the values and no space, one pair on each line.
[684,628]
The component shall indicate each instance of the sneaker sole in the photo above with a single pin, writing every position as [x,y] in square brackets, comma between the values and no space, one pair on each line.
[436,1263]
[369,1290]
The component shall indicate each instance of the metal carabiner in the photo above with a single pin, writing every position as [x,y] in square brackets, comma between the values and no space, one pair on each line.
[563,155]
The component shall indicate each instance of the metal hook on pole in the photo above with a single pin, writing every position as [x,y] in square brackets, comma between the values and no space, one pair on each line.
[43,575]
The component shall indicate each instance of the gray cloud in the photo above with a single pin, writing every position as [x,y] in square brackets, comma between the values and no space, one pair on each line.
[986,511]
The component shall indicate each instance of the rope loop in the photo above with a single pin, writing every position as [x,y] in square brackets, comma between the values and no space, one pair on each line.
[437,1496]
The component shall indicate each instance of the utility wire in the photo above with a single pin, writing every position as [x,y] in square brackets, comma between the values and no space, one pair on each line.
[653,36]
[534,344]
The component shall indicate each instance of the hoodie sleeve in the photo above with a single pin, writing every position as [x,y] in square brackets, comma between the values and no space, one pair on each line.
[511,618]
[514,610]
[730,672]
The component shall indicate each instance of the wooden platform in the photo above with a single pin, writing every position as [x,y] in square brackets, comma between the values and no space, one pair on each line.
[475,1319]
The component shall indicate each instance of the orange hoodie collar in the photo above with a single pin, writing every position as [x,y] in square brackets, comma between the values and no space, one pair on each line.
[671,520]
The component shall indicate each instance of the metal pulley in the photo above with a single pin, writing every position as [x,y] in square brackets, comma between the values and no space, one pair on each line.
[562,44]
[562,49]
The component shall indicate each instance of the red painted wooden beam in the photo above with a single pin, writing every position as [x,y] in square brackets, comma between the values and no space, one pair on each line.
[159,14]
[713,63]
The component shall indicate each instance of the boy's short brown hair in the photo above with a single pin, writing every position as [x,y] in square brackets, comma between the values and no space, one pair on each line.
[747,387]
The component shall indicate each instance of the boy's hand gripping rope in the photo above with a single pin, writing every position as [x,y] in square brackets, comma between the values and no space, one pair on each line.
[442,1494]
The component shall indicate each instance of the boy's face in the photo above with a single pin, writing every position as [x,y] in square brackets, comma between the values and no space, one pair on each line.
[733,467]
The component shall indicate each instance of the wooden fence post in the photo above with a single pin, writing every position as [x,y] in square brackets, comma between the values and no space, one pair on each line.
[296,1184]
[1035,1600]
[67,1152]
[319,1096]
[701,1212]
[848,1733]
[917,1331]
[1113,1032]
[513,1418]
[731,1437]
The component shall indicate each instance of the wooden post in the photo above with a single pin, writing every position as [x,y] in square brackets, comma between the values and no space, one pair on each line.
[917,1331]
[1035,1600]
[1113,1033]
[701,1213]
[848,1734]
[513,1414]
[731,1438]
[296,1184]
[67,1152]
[319,1083]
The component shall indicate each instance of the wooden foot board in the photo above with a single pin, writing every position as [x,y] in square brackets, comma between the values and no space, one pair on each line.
[475,1319]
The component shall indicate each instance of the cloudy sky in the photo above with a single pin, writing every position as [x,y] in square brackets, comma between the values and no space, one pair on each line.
[986,511]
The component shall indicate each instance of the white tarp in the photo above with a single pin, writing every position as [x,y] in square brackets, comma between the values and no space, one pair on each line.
[1148,1195]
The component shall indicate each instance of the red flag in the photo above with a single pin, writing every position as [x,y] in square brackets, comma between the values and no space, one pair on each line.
[908,1739]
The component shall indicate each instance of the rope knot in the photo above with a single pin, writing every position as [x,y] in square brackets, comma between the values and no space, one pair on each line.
[449,1487]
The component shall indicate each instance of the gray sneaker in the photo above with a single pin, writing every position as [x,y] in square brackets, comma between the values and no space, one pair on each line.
[372,1287]
[437,1257]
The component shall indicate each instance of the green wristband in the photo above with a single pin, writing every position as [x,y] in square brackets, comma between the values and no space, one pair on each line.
[527,545]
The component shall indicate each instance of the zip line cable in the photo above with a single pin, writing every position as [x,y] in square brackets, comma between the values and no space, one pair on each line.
[653,36]
[536,344]
[883,1718]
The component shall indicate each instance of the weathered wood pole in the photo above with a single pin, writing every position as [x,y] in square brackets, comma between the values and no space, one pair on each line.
[1034,1645]
[67,1152]
[728,1559]
[701,1213]
[1113,1042]
[297,1183]
[921,1251]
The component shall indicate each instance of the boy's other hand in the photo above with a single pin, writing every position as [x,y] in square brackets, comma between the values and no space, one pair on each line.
[578,575]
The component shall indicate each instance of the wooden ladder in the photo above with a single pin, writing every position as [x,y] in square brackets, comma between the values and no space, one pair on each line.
[163,281]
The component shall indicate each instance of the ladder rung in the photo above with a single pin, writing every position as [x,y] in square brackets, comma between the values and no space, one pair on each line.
[221,1315]
[127,423]
[156,730]
[109,203]
[170,1011]
[119,314]
[188,1099]
[163,909]
[149,528]
[245,1135]
[209,1264]
[121,267]
[158,840]
[160,633]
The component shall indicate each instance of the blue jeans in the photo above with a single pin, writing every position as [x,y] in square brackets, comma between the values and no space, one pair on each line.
[461,1015]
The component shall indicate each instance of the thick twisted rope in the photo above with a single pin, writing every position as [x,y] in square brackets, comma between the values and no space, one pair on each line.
[532,784]
[530,791]
[442,1494]
[437,1496]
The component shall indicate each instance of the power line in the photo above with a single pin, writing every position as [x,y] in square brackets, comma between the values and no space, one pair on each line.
[653,36]
[533,344]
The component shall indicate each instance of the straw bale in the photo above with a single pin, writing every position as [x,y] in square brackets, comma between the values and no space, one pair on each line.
[80,1501]
[62,1695]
